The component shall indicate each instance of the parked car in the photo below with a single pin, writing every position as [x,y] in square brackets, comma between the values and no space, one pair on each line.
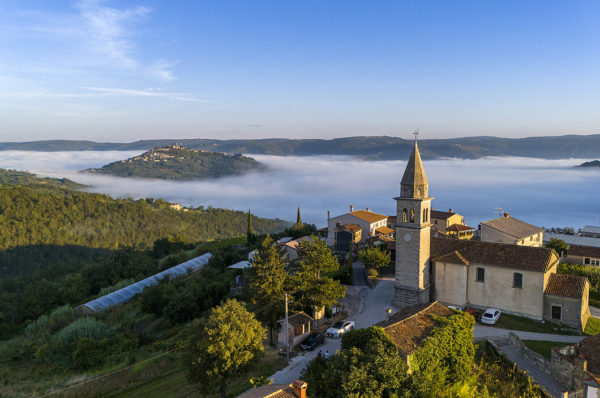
[473,312]
[339,328]
[455,307]
[490,316]
[313,340]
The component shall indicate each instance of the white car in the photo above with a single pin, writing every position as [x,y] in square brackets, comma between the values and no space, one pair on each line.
[491,316]
[339,328]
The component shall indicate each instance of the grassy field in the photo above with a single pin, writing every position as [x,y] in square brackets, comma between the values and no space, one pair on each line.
[543,347]
[514,322]
[592,327]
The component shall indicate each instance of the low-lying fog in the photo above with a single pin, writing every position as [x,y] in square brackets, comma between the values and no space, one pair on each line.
[543,192]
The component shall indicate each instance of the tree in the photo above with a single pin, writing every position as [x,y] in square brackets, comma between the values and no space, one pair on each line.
[298,220]
[226,345]
[560,246]
[374,257]
[267,280]
[314,287]
[368,365]
[250,232]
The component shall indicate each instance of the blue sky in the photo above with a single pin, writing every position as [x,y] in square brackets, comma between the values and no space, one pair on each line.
[122,71]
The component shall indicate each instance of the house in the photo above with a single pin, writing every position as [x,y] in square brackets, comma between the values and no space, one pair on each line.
[460,231]
[290,248]
[517,278]
[577,367]
[590,231]
[441,220]
[295,390]
[584,255]
[367,220]
[298,328]
[408,327]
[507,229]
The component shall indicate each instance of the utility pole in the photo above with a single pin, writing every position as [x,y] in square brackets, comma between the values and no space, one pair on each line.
[287,332]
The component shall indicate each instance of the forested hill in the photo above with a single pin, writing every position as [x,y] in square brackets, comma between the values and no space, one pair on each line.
[593,163]
[370,147]
[30,216]
[175,162]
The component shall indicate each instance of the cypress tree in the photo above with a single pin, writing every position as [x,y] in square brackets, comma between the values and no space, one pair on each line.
[250,232]
[298,219]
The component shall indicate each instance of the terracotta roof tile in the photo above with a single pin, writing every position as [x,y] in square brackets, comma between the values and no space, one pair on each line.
[299,319]
[590,348]
[444,215]
[384,230]
[368,216]
[455,258]
[352,227]
[408,327]
[566,286]
[527,258]
[586,251]
[459,228]
[270,391]
[513,227]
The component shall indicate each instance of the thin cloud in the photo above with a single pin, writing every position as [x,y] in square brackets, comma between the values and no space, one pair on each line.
[162,70]
[109,29]
[144,93]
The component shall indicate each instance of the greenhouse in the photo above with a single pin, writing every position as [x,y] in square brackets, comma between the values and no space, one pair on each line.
[126,293]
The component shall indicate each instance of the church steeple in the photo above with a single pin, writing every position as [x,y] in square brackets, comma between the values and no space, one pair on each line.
[414,181]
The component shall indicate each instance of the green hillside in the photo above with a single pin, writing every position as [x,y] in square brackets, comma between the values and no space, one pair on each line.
[174,162]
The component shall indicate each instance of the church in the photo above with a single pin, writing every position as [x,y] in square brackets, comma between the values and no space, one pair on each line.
[519,280]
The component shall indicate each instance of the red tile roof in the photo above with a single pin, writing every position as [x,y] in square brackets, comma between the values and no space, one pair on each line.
[527,258]
[368,216]
[590,348]
[454,258]
[459,228]
[513,227]
[584,251]
[408,327]
[566,286]
[444,215]
[299,319]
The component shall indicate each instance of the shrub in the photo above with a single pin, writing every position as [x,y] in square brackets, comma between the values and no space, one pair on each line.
[119,285]
[84,327]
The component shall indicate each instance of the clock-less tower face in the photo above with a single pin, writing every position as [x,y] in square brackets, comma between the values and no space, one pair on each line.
[413,230]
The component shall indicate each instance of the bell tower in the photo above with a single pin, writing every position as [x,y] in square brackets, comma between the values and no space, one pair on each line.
[413,234]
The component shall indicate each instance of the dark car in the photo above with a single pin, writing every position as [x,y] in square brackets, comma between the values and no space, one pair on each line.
[312,341]
[474,313]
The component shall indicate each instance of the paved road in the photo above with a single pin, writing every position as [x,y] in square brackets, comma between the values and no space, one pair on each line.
[487,331]
[536,373]
[595,312]
[359,274]
[371,309]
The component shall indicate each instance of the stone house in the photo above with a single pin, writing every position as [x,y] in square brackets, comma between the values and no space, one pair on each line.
[584,255]
[507,229]
[441,220]
[460,231]
[590,231]
[566,300]
[577,367]
[411,325]
[298,328]
[367,220]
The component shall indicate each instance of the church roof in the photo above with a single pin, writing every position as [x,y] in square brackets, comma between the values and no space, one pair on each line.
[408,327]
[527,258]
[455,258]
[585,251]
[513,227]
[368,216]
[414,174]
[566,285]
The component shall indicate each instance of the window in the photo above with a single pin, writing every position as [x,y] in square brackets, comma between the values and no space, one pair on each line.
[480,275]
[595,262]
[586,261]
[412,216]
[404,215]
[518,280]
[556,312]
[424,215]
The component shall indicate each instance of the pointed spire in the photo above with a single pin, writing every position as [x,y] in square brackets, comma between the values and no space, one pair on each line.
[414,182]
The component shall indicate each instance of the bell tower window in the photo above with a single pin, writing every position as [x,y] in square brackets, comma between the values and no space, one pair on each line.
[412,216]
[404,215]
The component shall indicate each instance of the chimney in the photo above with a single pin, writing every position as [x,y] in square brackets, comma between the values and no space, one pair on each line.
[580,362]
[328,215]
[351,208]
[505,214]
[299,388]
[450,211]
[368,209]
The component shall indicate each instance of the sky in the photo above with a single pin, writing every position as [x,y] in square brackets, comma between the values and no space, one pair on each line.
[128,70]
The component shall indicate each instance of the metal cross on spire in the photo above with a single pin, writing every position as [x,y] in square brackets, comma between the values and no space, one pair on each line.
[416,134]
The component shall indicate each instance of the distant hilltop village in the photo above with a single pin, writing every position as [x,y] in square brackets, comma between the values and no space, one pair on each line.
[176,162]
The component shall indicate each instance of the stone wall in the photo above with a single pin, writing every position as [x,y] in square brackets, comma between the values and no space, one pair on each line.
[539,360]
[567,368]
